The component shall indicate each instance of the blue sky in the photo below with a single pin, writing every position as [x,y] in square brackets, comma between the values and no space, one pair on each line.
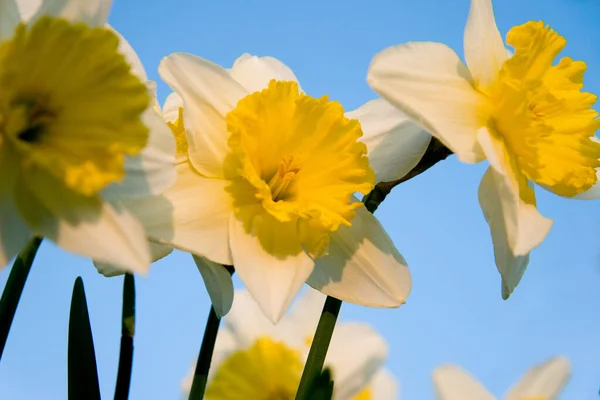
[455,313]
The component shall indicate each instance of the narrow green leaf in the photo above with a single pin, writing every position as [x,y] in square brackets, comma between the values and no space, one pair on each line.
[14,288]
[127,333]
[82,370]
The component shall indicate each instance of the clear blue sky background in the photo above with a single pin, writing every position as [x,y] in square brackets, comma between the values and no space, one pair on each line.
[455,313]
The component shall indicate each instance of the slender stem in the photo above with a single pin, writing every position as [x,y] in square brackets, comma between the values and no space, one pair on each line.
[127,334]
[319,347]
[205,356]
[14,288]
[206,351]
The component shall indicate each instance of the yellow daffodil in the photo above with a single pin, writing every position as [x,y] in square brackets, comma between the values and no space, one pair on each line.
[78,133]
[268,180]
[255,359]
[526,116]
[542,382]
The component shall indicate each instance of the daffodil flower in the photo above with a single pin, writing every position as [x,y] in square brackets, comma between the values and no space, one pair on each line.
[526,116]
[542,382]
[255,359]
[78,133]
[268,182]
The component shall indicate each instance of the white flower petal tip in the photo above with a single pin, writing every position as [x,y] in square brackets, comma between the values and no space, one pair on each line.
[171,106]
[254,73]
[108,270]
[453,383]
[9,18]
[395,142]
[429,83]
[91,12]
[208,93]
[484,49]
[363,266]
[272,280]
[218,284]
[545,380]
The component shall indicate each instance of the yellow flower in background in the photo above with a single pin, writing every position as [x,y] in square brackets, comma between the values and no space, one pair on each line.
[268,180]
[526,116]
[75,137]
[542,382]
[255,359]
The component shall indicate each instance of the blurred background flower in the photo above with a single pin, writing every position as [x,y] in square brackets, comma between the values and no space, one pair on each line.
[256,359]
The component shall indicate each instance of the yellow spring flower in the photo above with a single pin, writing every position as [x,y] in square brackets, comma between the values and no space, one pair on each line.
[78,133]
[255,359]
[526,116]
[266,178]
[544,381]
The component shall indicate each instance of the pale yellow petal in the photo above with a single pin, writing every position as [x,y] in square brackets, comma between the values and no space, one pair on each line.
[395,143]
[208,94]
[363,266]
[254,73]
[429,83]
[454,383]
[484,49]
[544,381]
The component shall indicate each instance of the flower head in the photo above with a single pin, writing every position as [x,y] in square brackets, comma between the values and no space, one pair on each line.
[267,186]
[528,117]
[72,134]
[255,359]
[542,382]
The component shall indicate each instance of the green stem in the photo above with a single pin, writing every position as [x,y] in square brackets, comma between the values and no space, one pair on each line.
[127,334]
[319,347]
[14,288]
[205,356]
[206,351]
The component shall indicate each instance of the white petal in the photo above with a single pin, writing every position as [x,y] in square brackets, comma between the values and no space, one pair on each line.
[171,107]
[363,266]
[246,321]
[453,383]
[545,381]
[14,233]
[192,215]
[157,252]
[91,12]
[208,94]
[353,367]
[384,386]
[273,281]
[130,55]
[395,143]
[484,49]
[27,8]
[254,73]
[218,284]
[153,170]
[306,312]
[432,86]
[9,18]
[80,224]
[508,206]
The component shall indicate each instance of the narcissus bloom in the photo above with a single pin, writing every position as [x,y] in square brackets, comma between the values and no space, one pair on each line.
[542,382]
[75,137]
[528,117]
[255,359]
[268,184]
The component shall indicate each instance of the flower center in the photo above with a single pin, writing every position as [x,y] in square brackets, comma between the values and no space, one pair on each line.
[74,120]
[542,116]
[268,370]
[287,171]
[299,159]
